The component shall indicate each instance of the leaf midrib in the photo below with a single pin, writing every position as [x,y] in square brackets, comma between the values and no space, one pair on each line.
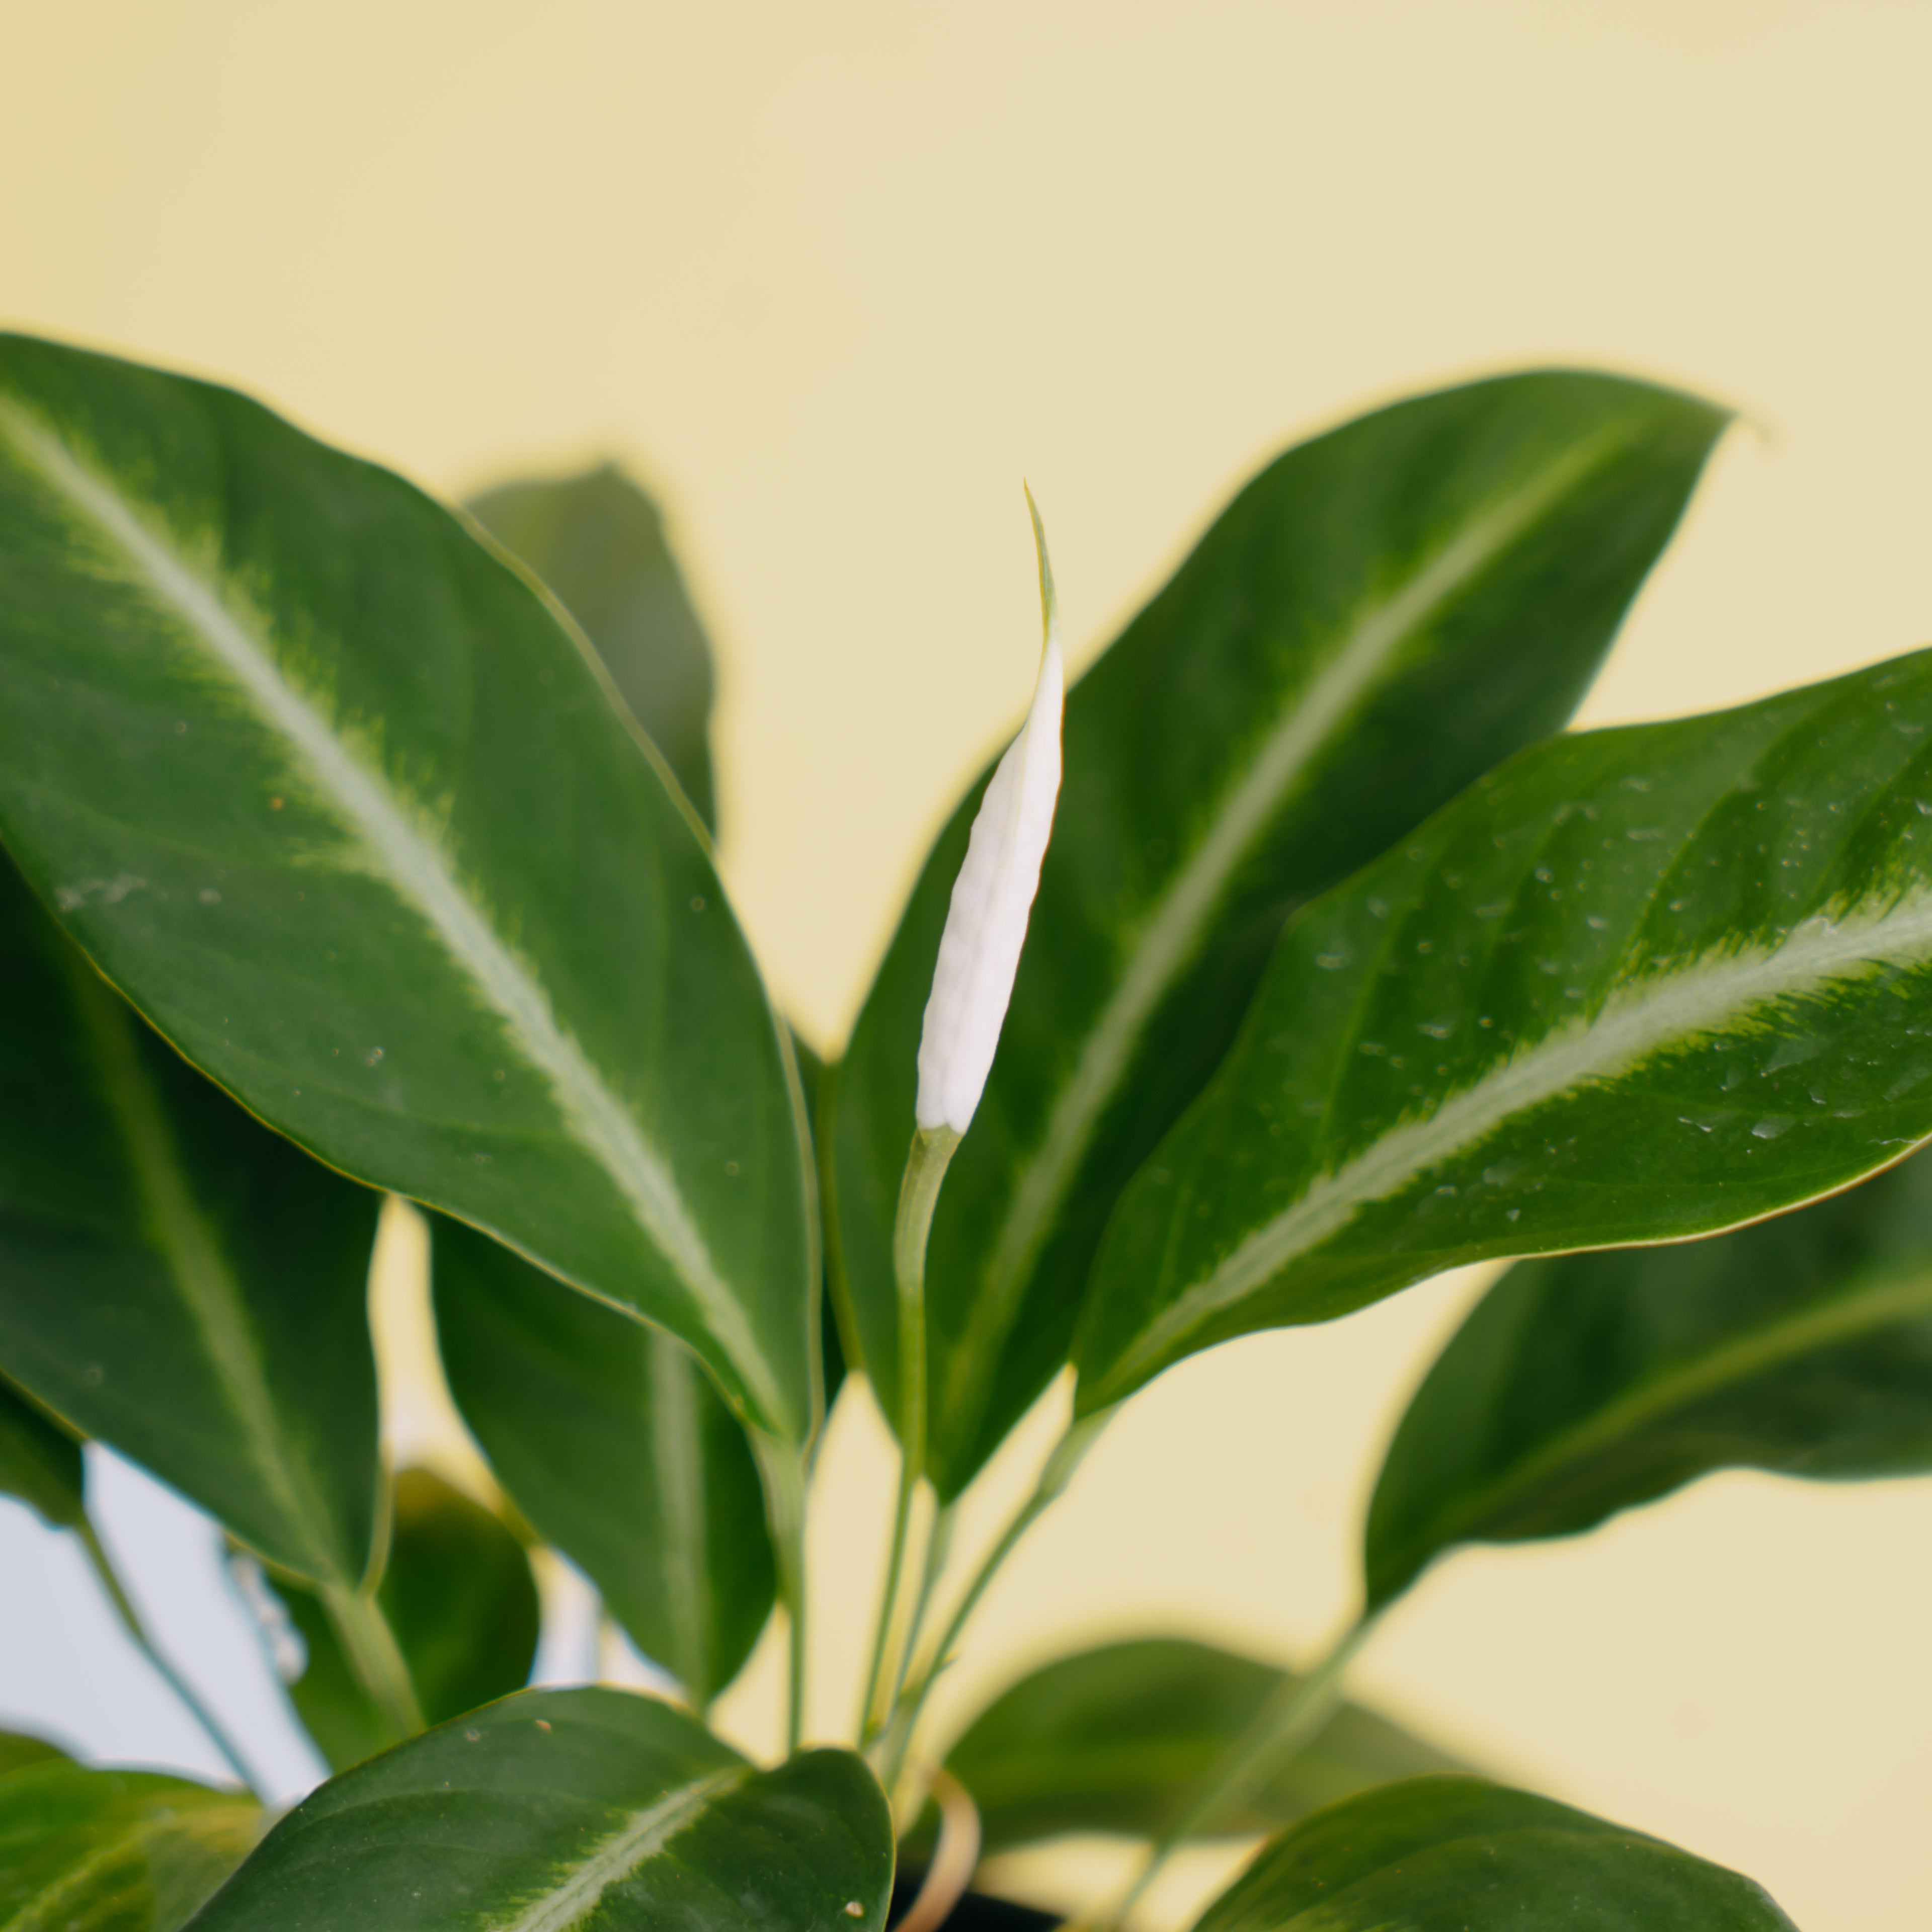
[400,847]
[642,1836]
[191,1251]
[1884,1302]
[1171,934]
[1638,1020]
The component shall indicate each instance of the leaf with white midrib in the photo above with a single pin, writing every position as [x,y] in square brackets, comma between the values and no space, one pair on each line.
[200,1270]
[397,844]
[343,803]
[1644,1016]
[1309,1179]
[1171,936]
[1376,617]
[554,1809]
[641,1838]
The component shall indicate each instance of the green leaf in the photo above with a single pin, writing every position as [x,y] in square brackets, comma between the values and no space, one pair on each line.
[598,541]
[1120,1738]
[562,1808]
[1583,1385]
[328,789]
[1445,1854]
[174,1279]
[1380,615]
[459,1596]
[610,1439]
[815,1079]
[39,1463]
[18,1750]
[1635,985]
[114,1851]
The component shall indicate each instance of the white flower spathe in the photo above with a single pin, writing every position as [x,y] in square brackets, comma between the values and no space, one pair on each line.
[979,951]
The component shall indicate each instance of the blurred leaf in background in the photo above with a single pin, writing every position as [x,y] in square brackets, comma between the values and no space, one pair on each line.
[598,541]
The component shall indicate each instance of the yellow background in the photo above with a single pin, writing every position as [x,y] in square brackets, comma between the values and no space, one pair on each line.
[835,277]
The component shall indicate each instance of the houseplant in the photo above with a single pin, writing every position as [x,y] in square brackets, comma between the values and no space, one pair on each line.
[341,860]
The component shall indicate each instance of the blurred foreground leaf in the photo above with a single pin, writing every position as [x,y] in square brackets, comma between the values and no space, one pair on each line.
[1450,1854]
[558,1808]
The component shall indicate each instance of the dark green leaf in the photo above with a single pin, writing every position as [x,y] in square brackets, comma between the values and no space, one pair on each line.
[458,1594]
[114,1851]
[327,788]
[174,1279]
[814,1078]
[17,1751]
[1381,615]
[609,1438]
[1447,1854]
[1586,1383]
[561,1808]
[598,541]
[39,1463]
[1636,985]
[1119,1739]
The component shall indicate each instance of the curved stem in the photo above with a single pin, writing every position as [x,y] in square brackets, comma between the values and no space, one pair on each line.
[373,1654]
[1067,1453]
[938,1547]
[955,1859]
[927,1160]
[130,1618]
[1286,1724]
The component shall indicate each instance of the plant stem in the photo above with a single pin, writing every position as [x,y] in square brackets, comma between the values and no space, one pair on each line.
[1287,1723]
[373,1654]
[938,1547]
[130,1618]
[954,1860]
[782,1469]
[927,1160]
[1066,1457]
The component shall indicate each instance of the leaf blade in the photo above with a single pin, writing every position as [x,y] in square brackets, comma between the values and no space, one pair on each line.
[1589,1383]
[415,782]
[1583,1007]
[597,540]
[114,1851]
[1351,643]
[1437,1854]
[554,1809]
[180,1282]
[614,1443]
[1119,1739]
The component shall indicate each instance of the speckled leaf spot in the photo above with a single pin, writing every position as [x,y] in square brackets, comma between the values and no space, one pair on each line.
[1636,985]
[368,766]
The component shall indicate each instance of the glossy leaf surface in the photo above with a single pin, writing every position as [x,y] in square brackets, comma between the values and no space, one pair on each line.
[1120,1738]
[17,1751]
[329,789]
[1635,985]
[114,1851]
[175,1279]
[598,541]
[458,1594]
[610,1439]
[1584,1384]
[1380,615]
[557,1809]
[1445,1855]
[39,1463]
